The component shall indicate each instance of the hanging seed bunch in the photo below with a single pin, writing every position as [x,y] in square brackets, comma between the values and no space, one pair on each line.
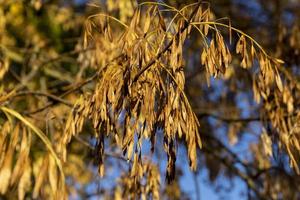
[18,169]
[143,181]
[19,175]
[280,104]
[280,108]
[140,82]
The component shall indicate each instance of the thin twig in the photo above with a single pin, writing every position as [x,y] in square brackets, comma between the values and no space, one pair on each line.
[66,93]
[66,54]
[238,120]
[245,177]
[51,96]
[76,87]
[220,144]
[108,154]
[227,119]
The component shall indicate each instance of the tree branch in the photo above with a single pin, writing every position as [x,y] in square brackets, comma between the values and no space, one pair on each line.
[226,119]
[65,94]
[51,96]
[108,154]
[245,177]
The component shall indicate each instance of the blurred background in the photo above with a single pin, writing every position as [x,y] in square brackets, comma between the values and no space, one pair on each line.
[41,49]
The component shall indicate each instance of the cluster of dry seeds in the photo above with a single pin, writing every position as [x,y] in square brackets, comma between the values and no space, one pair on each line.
[17,169]
[20,174]
[140,90]
[148,101]
[134,182]
[140,87]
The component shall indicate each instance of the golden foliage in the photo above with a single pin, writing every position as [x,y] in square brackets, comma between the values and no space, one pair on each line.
[17,138]
[142,79]
[148,99]
[131,185]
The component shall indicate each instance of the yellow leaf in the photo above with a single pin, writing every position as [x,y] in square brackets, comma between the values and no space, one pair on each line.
[279,61]
[279,82]
[267,143]
[147,22]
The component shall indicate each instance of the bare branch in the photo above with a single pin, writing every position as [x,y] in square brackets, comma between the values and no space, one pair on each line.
[51,96]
